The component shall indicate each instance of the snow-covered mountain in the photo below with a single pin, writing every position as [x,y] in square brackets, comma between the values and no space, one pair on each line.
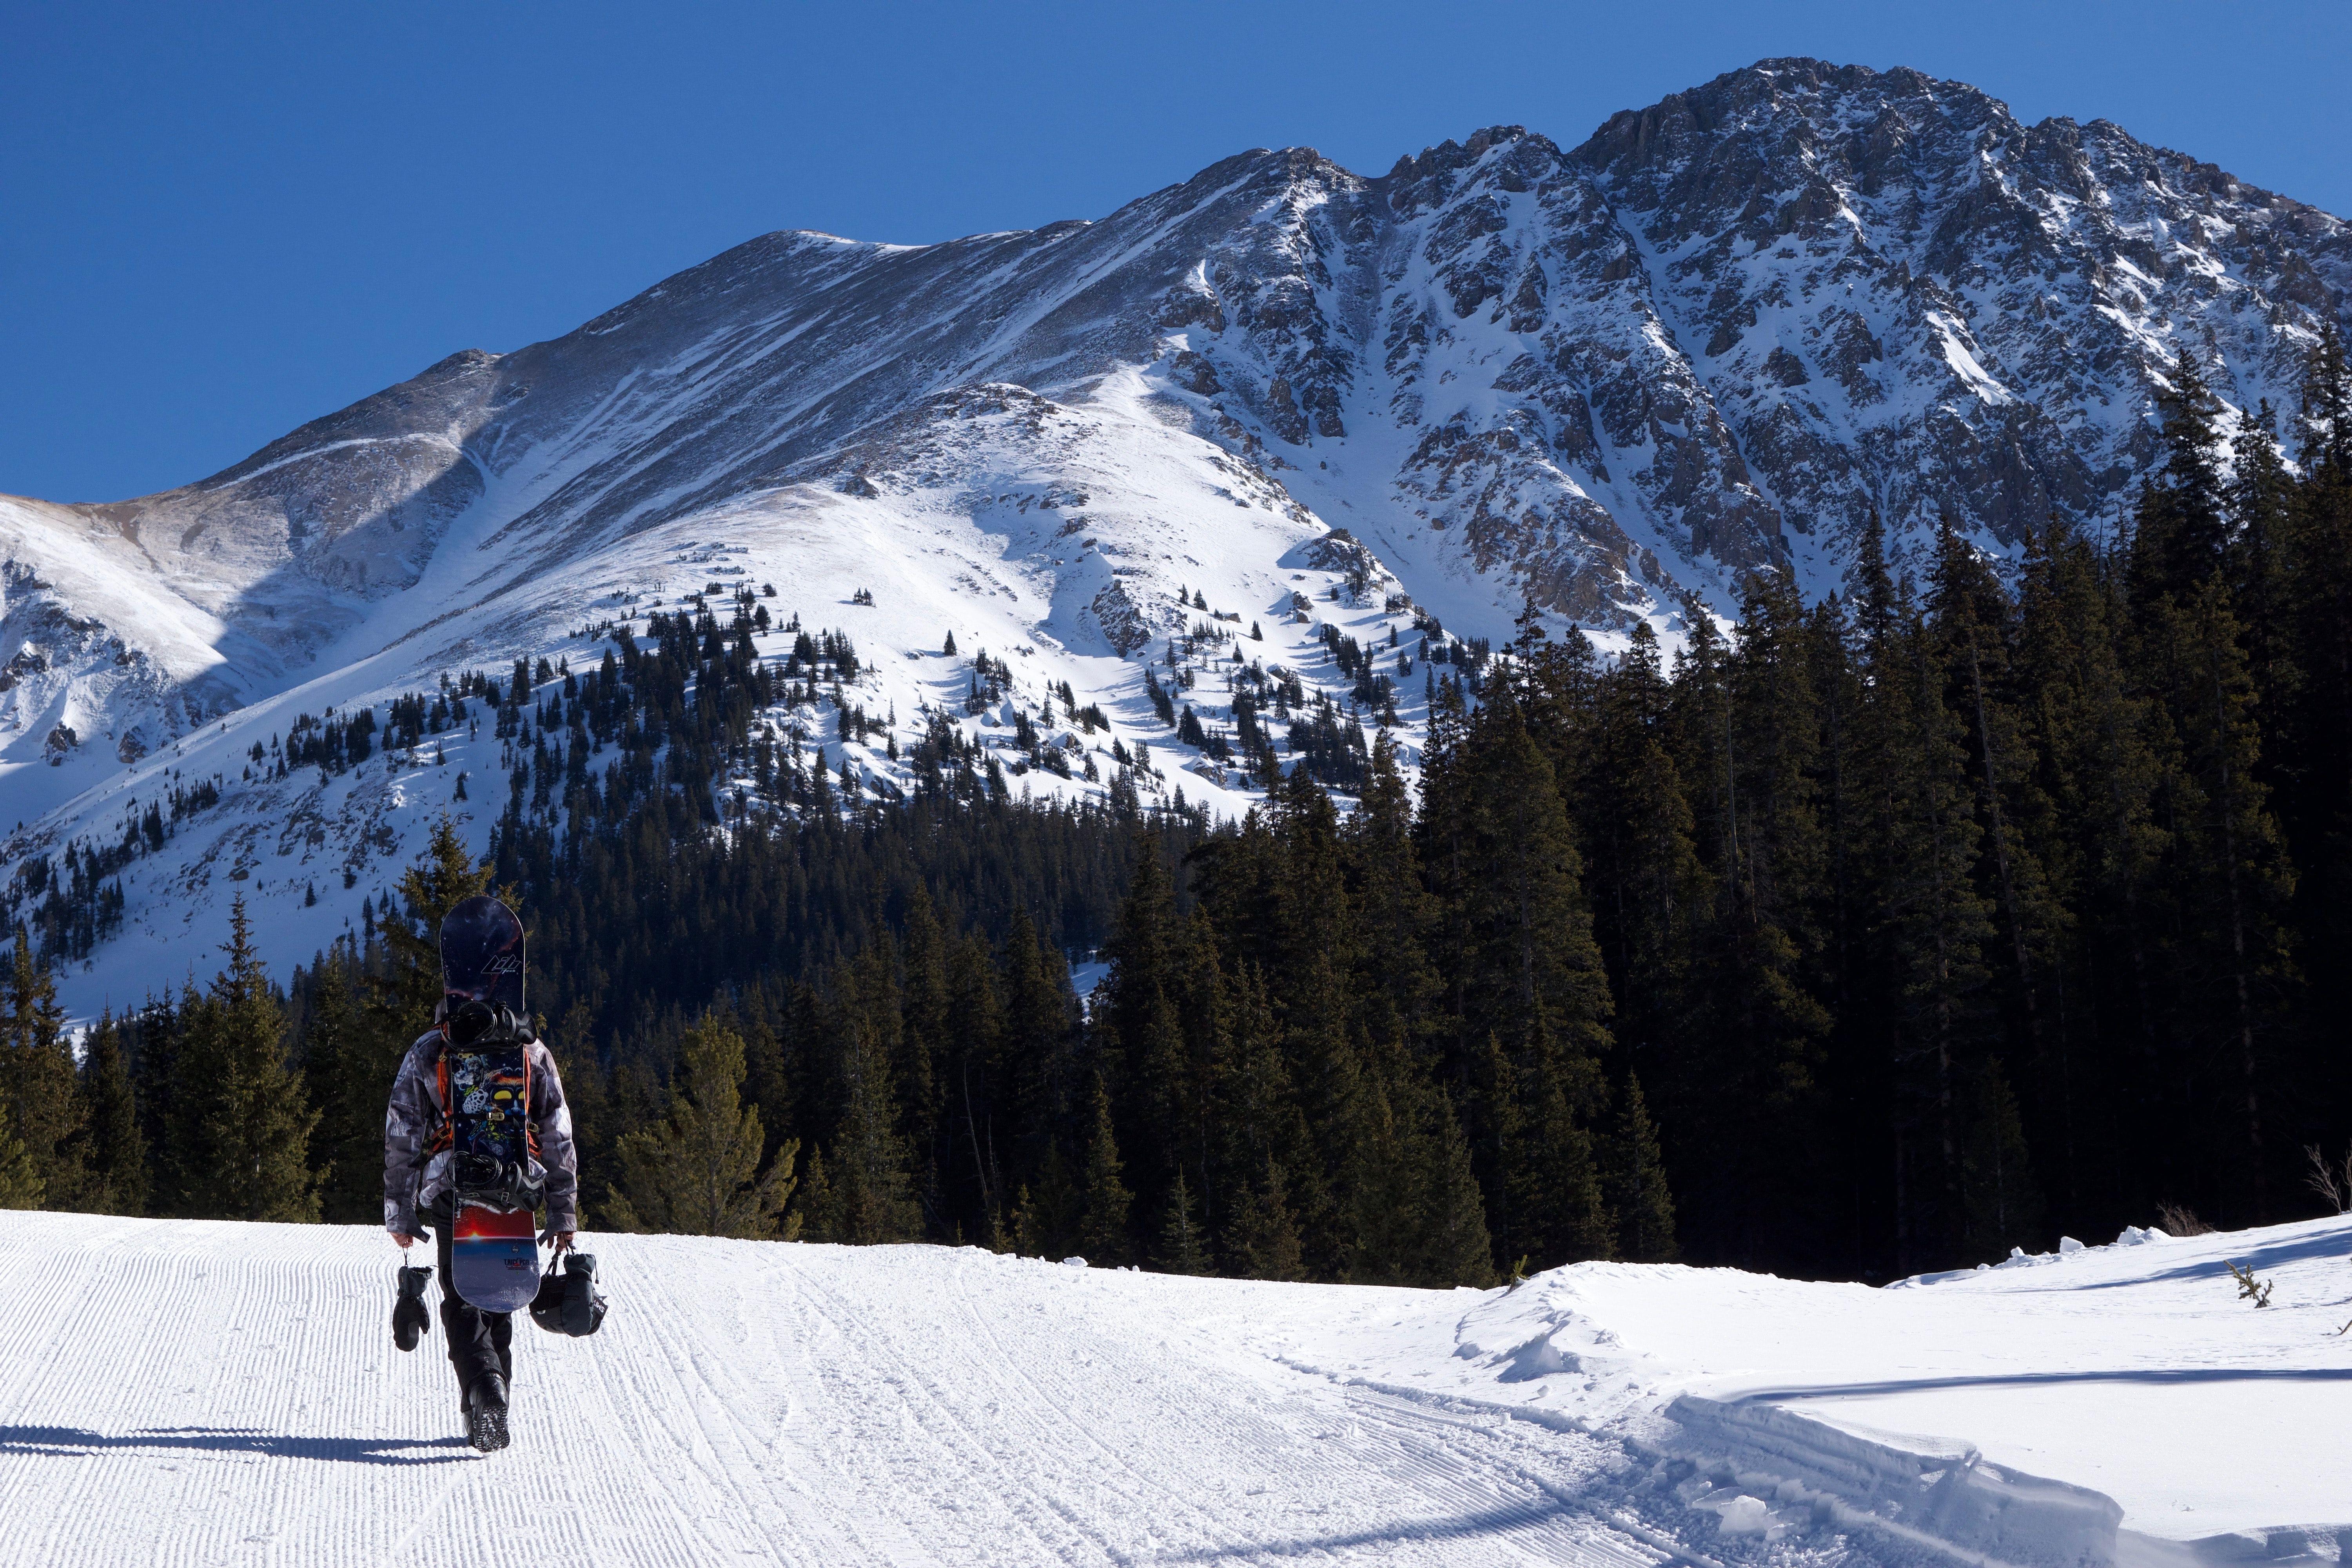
[2114,1406]
[1701,343]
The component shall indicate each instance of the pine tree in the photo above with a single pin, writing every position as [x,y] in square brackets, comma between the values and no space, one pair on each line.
[36,1075]
[2326,416]
[1379,1197]
[1039,1083]
[1396,984]
[2262,565]
[698,1173]
[1261,1239]
[873,1200]
[1456,1248]
[20,1181]
[2003,1200]
[1103,1196]
[2232,959]
[1637,1183]
[813,1209]
[1530,935]
[1258,1122]
[153,1035]
[2313,780]
[1499,1152]
[1182,1248]
[444,876]
[113,1153]
[1046,1220]
[2093,725]
[1327,1081]
[245,1122]
[923,1011]
[1741,1078]
[2183,524]
[351,1055]
[1206,1017]
[1414,1207]
[589,1094]
[1924,924]
[1528,979]
[1649,889]
[973,1124]
[1565,1210]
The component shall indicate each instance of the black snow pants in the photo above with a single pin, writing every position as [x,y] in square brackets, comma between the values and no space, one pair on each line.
[479,1341]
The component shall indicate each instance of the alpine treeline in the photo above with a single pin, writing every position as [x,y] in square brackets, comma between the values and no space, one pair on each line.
[1981,901]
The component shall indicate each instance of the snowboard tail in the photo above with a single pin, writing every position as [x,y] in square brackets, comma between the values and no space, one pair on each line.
[494,1257]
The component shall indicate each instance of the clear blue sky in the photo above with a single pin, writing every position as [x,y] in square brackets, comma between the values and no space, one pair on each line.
[217,221]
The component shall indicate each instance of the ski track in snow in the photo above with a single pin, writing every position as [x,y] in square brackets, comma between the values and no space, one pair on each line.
[207,1394]
[188,1393]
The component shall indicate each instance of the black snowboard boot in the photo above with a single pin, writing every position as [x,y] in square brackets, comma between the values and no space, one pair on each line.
[486,1413]
[409,1318]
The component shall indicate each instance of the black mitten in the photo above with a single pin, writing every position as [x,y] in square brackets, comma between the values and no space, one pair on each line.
[409,1318]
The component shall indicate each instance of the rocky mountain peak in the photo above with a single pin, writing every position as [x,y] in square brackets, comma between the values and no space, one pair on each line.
[1615,379]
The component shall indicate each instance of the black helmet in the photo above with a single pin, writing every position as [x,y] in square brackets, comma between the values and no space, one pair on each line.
[569,1304]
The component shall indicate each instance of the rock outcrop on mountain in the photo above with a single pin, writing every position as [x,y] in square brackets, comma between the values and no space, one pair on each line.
[1706,342]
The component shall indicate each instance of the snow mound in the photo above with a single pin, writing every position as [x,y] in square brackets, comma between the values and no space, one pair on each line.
[2054,1409]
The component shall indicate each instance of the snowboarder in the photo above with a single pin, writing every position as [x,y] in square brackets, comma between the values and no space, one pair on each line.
[420,1182]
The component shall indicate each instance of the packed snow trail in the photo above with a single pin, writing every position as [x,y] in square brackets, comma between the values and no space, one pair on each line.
[191,1393]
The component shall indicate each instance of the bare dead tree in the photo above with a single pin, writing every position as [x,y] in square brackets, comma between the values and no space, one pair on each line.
[2332,1181]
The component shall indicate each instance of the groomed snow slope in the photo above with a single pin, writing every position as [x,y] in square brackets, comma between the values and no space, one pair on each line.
[196,1393]
[192,1393]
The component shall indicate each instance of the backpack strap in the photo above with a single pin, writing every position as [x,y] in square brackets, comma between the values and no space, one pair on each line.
[444,1133]
[529,1123]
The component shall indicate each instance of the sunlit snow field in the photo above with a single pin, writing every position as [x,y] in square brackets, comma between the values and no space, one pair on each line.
[206,1392]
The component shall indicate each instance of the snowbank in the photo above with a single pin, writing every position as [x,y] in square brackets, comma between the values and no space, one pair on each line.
[2115,1403]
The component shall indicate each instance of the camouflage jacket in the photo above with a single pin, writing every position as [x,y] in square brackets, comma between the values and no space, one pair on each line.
[415,1179]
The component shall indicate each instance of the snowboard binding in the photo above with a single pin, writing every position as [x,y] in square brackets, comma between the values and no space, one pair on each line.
[409,1319]
[474,1023]
[506,1185]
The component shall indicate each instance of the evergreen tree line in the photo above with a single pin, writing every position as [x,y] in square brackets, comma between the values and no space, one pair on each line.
[1973,903]
[191,1107]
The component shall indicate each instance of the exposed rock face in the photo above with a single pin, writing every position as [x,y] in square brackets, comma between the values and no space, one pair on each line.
[1779,300]
[1894,292]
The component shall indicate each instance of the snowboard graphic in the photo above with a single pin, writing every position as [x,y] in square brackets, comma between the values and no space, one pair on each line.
[493,1250]
[482,955]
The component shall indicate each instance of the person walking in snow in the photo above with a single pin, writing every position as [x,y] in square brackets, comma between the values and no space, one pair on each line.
[419,1184]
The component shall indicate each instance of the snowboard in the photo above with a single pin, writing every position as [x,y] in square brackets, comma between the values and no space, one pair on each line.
[493,1244]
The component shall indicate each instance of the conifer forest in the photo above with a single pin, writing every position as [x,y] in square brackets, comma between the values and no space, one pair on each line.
[1985,900]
